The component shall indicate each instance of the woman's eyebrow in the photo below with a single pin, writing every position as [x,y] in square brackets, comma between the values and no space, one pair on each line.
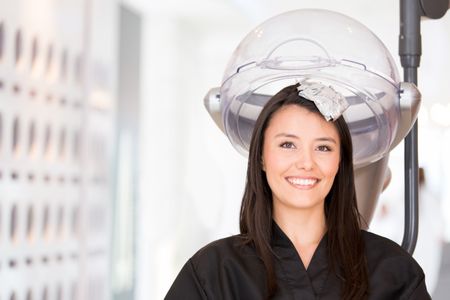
[289,135]
[326,139]
[320,139]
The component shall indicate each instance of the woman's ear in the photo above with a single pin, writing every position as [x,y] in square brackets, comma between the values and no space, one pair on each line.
[263,165]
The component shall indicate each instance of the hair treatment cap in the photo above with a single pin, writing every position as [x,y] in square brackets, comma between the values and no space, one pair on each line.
[312,47]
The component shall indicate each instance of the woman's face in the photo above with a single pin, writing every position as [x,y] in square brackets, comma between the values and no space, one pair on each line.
[301,154]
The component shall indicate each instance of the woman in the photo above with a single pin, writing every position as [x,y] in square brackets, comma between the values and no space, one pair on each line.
[300,227]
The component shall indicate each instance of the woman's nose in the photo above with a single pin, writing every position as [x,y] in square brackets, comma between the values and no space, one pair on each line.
[305,161]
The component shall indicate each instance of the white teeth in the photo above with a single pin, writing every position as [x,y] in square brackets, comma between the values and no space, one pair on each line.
[299,181]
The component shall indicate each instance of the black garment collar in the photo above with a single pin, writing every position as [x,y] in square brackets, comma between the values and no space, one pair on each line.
[290,266]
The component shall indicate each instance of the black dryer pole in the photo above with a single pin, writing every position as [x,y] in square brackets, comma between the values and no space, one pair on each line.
[410,50]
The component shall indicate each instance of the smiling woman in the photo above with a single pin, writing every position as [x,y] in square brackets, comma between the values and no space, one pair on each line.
[301,234]
[301,154]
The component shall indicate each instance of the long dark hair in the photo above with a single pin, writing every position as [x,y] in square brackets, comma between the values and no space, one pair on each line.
[344,241]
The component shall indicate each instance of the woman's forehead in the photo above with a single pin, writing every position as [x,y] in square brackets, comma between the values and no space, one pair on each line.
[294,119]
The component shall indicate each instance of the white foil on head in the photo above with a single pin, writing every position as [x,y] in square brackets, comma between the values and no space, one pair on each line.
[330,103]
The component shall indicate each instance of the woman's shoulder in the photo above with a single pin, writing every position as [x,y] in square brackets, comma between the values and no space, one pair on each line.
[386,256]
[378,243]
[212,272]
[221,245]
[231,257]
[223,249]
[379,248]
[392,269]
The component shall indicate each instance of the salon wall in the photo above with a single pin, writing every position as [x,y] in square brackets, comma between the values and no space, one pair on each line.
[57,105]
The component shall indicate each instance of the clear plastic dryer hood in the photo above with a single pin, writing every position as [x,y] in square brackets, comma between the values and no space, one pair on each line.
[317,46]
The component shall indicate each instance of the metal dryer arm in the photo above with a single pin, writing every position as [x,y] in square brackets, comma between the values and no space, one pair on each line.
[410,50]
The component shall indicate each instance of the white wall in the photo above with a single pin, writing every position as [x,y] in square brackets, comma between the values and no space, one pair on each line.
[191,176]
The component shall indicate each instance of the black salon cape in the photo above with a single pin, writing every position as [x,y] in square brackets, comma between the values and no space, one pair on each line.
[225,269]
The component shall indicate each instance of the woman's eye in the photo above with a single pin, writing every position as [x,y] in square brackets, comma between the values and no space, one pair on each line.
[324,148]
[287,145]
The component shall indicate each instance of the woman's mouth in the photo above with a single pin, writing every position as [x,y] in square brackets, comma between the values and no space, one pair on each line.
[302,183]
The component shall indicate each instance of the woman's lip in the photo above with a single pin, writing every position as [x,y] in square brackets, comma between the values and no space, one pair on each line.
[302,177]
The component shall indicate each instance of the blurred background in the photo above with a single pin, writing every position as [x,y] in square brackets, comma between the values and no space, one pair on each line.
[112,173]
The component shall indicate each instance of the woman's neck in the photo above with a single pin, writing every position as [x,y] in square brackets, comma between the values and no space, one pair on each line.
[303,227]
